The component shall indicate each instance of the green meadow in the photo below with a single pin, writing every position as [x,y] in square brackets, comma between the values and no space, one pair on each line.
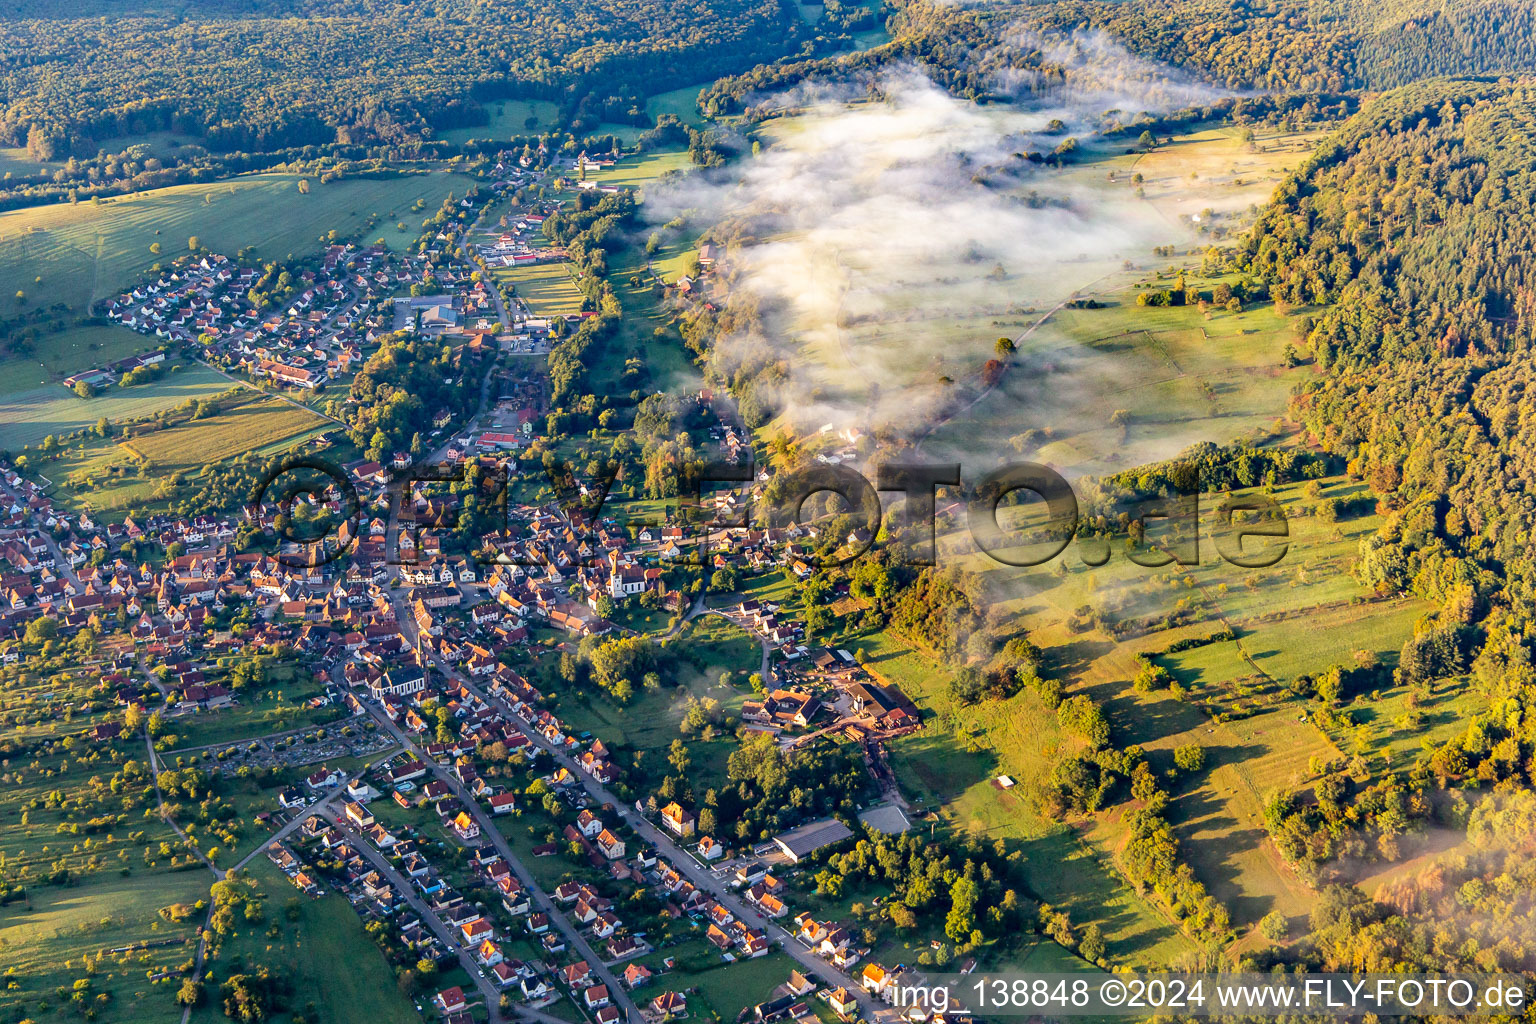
[87,252]
[26,417]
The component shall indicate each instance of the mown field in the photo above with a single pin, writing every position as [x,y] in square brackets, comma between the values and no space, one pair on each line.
[128,469]
[87,252]
[26,417]
[547,288]
[640,171]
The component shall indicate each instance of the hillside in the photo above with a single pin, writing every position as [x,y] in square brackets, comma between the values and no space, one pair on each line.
[292,74]
[1409,231]
[1302,48]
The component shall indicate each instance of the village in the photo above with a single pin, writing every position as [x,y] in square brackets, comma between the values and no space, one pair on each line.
[418,640]
[399,642]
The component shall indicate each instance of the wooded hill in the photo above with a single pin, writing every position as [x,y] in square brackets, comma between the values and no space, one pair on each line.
[279,73]
[1291,47]
[1413,227]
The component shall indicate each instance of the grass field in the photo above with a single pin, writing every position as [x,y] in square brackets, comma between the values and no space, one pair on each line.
[1179,378]
[627,134]
[1218,814]
[1311,643]
[640,171]
[923,317]
[275,707]
[325,956]
[725,991]
[26,417]
[508,118]
[646,328]
[949,767]
[88,252]
[1299,616]
[74,349]
[682,102]
[45,943]
[650,723]
[547,288]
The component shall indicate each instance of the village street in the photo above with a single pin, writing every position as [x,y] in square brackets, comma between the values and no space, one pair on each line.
[61,564]
[705,880]
[406,891]
[445,934]
[539,899]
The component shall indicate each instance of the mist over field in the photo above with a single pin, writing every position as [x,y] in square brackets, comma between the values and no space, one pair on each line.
[899,238]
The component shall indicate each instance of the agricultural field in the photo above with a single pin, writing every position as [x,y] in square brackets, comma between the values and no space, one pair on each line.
[87,252]
[252,420]
[132,469]
[26,417]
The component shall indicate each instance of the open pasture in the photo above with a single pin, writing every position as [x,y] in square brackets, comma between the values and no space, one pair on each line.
[507,119]
[87,252]
[26,417]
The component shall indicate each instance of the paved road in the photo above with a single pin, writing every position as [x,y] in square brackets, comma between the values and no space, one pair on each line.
[474,257]
[320,807]
[676,855]
[407,891]
[61,564]
[539,899]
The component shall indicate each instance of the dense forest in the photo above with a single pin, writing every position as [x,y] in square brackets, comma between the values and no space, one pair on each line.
[280,73]
[1285,47]
[1412,228]
[1409,232]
